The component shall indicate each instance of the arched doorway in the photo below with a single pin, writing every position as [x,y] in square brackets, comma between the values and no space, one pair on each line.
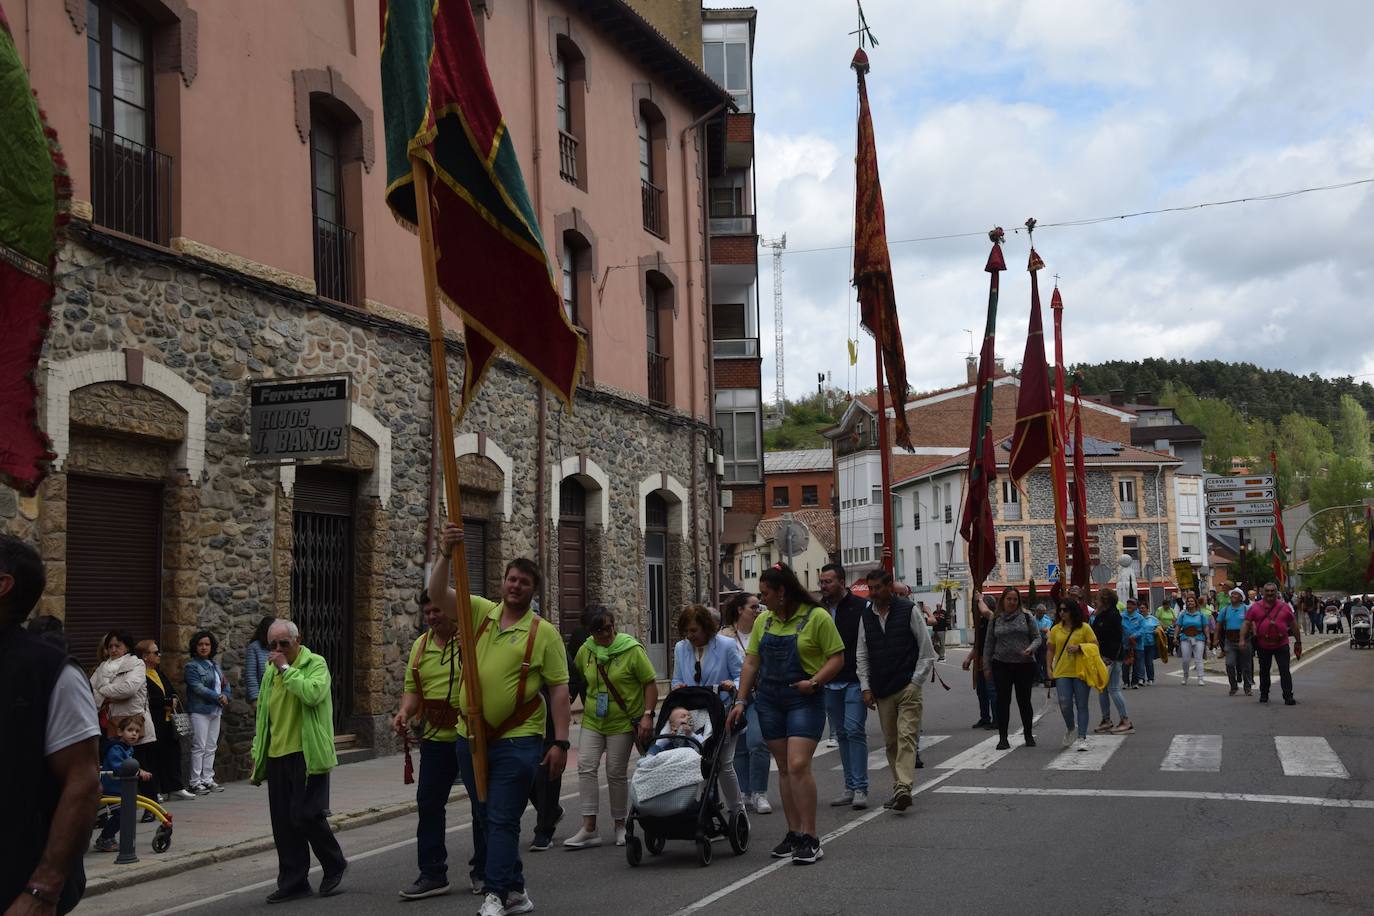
[572,554]
[322,574]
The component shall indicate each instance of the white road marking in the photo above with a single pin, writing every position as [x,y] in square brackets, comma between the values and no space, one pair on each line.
[1309,757]
[835,834]
[1193,754]
[821,751]
[979,757]
[878,759]
[1100,750]
[1312,801]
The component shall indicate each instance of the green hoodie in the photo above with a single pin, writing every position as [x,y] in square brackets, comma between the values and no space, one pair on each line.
[308,680]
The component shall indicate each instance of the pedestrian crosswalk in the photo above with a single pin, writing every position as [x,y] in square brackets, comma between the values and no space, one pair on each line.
[1296,755]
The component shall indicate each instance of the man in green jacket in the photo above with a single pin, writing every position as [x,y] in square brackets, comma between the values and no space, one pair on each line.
[293,749]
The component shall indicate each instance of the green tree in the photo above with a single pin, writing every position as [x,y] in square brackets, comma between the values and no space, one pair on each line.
[1226,433]
[1340,536]
[1351,430]
[1304,449]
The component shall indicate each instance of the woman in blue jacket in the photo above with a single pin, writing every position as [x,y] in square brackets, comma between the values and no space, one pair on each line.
[704,658]
[207,696]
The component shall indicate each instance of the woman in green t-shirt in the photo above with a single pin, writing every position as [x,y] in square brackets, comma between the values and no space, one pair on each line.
[621,697]
[794,650]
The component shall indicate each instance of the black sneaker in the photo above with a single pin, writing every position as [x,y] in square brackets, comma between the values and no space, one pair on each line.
[981,723]
[787,846]
[1289,701]
[901,799]
[807,851]
[541,843]
[920,764]
[424,887]
[1264,698]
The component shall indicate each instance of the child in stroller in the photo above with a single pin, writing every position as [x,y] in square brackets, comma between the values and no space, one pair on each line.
[674,793]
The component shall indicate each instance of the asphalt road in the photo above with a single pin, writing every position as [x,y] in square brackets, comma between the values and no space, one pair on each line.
[1192,814]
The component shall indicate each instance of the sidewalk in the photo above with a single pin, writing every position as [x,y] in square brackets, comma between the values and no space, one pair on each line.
[235,822]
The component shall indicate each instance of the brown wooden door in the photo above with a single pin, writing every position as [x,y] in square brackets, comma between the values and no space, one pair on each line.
[572,555]
[114,561]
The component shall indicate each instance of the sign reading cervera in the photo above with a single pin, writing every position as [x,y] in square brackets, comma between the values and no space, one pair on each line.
[298,419]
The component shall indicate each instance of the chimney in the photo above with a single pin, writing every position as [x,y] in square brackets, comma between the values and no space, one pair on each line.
[971,365]
[1001,366]
[1145,397]
[1118,396]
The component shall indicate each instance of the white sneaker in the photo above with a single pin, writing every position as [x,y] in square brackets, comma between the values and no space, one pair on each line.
[1082,744]
[761,804]
[619,839]
[1069,737]
[1201,681]
[183,793]
[518,902]
[860,799]
[1185,680]
[583,839]
[492,906]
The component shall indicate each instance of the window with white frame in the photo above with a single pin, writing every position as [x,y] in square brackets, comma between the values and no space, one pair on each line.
[1125,492]
[1011,550]
[1190,543]
[920,570]
[876,496]
[737,414]
[1130,546]
[1011,500]
[725,54]
[949,504]
[900,568]
[897,520]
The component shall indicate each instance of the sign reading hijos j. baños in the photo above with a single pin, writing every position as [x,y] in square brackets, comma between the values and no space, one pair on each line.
[299,419]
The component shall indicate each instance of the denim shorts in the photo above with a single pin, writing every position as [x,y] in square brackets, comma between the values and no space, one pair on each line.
[785,712]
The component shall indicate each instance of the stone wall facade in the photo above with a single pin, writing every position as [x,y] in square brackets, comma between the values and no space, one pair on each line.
[199,334]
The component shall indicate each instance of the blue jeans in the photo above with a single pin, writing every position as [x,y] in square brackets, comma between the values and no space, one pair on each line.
[847,714]
[1073,693]
[1113,695]
[438,772]
[1149,667]
[511,766]
[786,712]
[752,759]
[987,695]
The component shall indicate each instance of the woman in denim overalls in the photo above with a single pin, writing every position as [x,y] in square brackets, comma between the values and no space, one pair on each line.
[794,650]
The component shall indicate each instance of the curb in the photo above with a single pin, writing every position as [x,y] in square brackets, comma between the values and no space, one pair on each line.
[164,868]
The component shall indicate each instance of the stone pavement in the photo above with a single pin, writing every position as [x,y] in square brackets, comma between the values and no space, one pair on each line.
[234,823]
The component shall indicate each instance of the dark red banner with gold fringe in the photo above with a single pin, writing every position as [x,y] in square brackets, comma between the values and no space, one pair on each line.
[977,527]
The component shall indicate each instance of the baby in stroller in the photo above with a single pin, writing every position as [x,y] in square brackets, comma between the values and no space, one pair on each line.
[680,725]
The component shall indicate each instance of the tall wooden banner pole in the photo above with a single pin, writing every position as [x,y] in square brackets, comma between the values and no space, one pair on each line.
[443,415]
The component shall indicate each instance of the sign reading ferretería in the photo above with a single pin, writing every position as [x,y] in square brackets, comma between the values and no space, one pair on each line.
[299,419]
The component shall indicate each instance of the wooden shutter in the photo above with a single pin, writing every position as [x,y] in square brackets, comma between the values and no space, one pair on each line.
[114,561]
[475,549]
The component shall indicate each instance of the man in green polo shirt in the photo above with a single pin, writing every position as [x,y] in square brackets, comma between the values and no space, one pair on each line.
[432,680]
[517,654]
[293,749]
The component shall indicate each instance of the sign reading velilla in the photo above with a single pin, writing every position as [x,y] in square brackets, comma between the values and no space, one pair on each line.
[299,419]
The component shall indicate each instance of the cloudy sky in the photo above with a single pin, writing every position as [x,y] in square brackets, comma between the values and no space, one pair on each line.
[990,111]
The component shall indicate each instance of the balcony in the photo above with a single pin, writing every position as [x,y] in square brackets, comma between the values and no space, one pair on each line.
[1013,572]
[658,379]
[131,187]
[335,249]
[651,202]
[567,157]
[1011,512]
[733,225]
[735,348]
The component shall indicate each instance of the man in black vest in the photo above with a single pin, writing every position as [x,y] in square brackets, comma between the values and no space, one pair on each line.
[844,703]
[894,658]
[51,765]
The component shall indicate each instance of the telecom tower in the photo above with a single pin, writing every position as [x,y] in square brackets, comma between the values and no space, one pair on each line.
[777,245]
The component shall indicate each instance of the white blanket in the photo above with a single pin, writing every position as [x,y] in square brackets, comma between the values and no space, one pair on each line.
[666,772]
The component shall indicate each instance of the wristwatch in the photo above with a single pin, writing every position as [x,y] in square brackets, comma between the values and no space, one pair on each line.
[43,894]
[562,743]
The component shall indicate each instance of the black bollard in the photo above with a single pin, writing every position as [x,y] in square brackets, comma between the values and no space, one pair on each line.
[128,811]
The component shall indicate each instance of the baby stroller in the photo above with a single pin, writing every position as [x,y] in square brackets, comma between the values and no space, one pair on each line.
[691,810]
[1359,628]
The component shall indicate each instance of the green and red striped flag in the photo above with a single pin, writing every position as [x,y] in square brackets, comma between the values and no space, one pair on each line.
[977,524]
[1278,541]
[34,194]
[492,269]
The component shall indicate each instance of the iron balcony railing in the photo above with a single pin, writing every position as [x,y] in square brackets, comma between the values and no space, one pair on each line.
[1013,572]
[651,199]
[734,347]
[131,187]
[335,249]
[1011,512]
[658,379]
[567,157]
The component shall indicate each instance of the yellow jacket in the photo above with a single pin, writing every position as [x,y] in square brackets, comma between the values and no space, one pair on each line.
[1094,669]
[1065,663]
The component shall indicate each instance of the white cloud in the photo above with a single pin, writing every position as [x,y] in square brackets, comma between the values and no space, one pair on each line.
[989,111]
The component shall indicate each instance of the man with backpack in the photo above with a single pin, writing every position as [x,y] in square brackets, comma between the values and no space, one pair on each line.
[1271,622]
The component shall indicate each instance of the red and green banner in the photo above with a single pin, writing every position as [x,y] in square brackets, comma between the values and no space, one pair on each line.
[872,264]
[977,524]
[34,194]
[491,265]
[1278,541]
[1082,563]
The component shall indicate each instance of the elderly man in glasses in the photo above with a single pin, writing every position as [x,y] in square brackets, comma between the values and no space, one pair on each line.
[293,749]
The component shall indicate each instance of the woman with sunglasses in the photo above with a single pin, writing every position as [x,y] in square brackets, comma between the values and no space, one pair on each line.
[752,760]
[207,695]
[622,694]
[165,760]
[794,651]
[704,658]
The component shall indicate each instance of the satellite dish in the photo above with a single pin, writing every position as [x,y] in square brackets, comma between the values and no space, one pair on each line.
[1102,574]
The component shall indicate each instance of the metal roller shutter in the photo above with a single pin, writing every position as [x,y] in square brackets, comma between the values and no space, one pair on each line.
[475,549]
[114,561]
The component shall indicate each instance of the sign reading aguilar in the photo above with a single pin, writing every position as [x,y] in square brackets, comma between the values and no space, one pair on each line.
[298,419]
